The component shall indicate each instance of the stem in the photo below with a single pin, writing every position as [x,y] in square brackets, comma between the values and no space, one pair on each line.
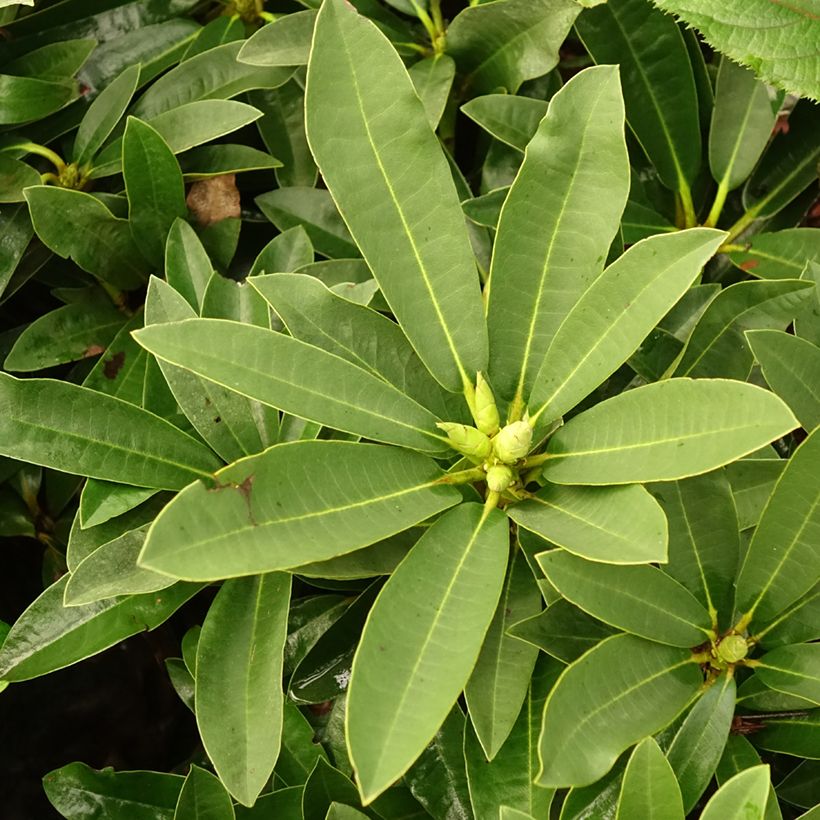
[742,224]
[491,503]
[462,476]
[425,21]
[33,148]
[438,22]
[717,205]
[689,217]
[469,396]
[537,461]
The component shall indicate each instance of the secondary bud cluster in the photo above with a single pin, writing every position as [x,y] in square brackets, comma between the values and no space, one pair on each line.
[513,442]
[467,440]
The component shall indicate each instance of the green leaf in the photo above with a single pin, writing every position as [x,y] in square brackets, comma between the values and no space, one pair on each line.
[556,225]
[717,346]
[398,219]
[619,525]
[424,633]
[599,799]
[807,322]
[797,736]
[349,495]
[509,118]
[640,222]
[618,310]
[742,122]
[67,334]
[688,427]
[286,252]
[314,210]
[752,481]
[239,696]
[153,182]
[778,255]
[503,44]
[649,790]
[742,796]
[203,797]
[433,78]
[15,233]
[704,546]
[284,42]
[78,226]
[323,787]
[773,39]
[658,82]
[738,755]
[14,177]
[501,676]
[298,755]
[217,160]
[799,622]
[792,669]
[187,266]
[642,600]
[76,790]
[79,431]
[698,744]
[783,559]
[103,115]
[338,811]
[53,61]
[298,378]
[23,99]
[791,367]
[592,715]
[508,778]
[284,802]
[49,636]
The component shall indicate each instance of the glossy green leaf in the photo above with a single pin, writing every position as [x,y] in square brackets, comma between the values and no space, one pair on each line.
[621,691]
[217,160]
[424,632]
[779,254]
[783,559]
[103,115]
[739,754]
[503,44]
[807,322]
[556,225]
[55,60]
[797,623]
[203,797]
[640,222]
[797,735]
[284,42]
[298,754]
[619,525]
[339,811]
[698,744]
[752,481]
[324,786]
[77,790]
[15,232]
[79,431]
[687,427]
[433,78]
[14,177]
[283,372]
[239,681]
[618,310]
[286,252]
[29,98]
[182,681]
[187,266]
[659,87]
[284,802]
[500,679]
[509,118]
[599,799]
[78,226]
[791,367]
[755,696]
[49,636]
[350,495]
[770,38]
[649,789]
[742,796]
[792,669]
[642,600]
[397,219]
[67,334]
[800,786]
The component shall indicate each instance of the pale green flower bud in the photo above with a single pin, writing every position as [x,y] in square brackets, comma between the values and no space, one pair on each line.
[467,440]
[513,442]
[486,413]
[499,477]
[732,648]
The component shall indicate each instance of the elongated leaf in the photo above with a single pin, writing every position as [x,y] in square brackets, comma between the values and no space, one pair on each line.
[503,44]
[791,367]
[294,503]
[239,681]
[639,288]
[704,546]
[52,61]
[424,633]
[203,797]
[752,481]
[509,118]
[798,623]
[778,255]
[187,266]
[15,233]
[433,78]
[409,227]
[686,427]
[339,811]
[217,160]
[324,786]
[742,123]
[659,87]
[103,115]
[739,755]
[792,669]
[298,378]
[14,177]
[73,429]
[601,798]
[619,525]
[286,252]
[49,636]
[649,789]
[698,744]
[595,712]
[642,600]
[556,224]
[76,790]
[500,678]
[78,226]
[285,42]
[770,38]
[29,98]
[742,796]
[783,559]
